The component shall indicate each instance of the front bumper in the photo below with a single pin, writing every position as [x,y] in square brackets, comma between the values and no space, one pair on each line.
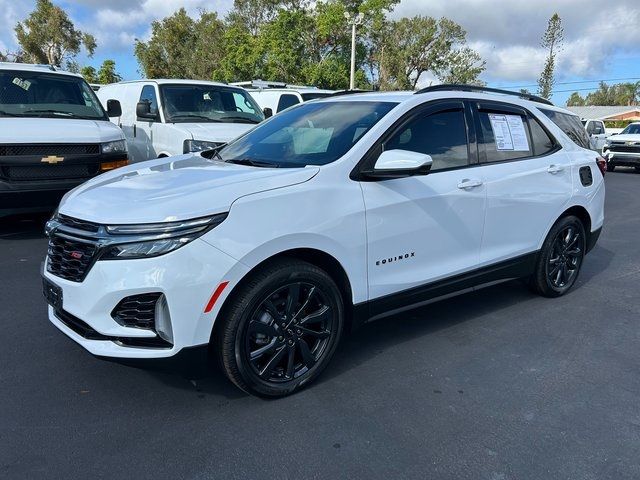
[623,159]
[186,277]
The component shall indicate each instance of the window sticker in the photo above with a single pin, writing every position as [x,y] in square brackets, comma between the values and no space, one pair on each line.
[509,132]
[23,84]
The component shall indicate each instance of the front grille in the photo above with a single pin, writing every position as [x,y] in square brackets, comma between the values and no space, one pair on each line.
[137,311]
[78,224]
[70,259]
[625,148]
[50,149]
[48,172]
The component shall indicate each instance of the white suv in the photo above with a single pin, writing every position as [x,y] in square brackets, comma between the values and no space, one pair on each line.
[328,215]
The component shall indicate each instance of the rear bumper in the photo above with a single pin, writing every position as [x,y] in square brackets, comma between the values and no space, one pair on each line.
[592,239]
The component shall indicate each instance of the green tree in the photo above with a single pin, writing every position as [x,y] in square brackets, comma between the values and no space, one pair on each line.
[47,35]
[107,73]
[552,42]
[89,74]
[623,94]
[575,100]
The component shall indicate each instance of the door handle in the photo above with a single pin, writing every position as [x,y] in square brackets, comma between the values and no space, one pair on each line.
[555,169]
[469,183]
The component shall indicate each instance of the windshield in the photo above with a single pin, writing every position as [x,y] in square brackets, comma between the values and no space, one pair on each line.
[208,103]
[312,96]
[633,129]
[309,134]
[41,94]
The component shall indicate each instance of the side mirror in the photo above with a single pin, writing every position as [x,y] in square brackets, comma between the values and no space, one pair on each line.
[614,133]
[598,131]
[399,164]
[143,110]
[268,112]
[114,109]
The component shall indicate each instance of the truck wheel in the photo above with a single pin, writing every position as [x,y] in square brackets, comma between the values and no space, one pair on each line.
[281,328]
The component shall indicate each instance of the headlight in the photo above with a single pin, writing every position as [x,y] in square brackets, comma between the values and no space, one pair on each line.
[155,239]
[198,145]
[119,146]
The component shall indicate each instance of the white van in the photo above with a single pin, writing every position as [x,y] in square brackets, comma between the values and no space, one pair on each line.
[273,97]
[161,118]
[54,135]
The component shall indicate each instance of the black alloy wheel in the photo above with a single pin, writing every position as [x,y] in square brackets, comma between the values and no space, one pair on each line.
[280,328]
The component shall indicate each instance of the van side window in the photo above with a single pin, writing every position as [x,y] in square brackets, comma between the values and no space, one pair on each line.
[287,100]
[442,135]
[504,136]
[149,95]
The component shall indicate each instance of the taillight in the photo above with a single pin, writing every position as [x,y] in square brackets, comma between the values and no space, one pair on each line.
[602,165]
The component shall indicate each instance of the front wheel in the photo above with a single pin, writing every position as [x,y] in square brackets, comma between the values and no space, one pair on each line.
[281,328]
[560,258]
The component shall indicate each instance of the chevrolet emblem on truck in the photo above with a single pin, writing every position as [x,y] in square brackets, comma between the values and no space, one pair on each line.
[52,159]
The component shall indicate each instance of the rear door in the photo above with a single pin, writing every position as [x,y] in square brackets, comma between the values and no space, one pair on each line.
[527,178]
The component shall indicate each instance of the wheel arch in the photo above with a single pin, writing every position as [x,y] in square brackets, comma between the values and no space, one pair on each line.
[577,210]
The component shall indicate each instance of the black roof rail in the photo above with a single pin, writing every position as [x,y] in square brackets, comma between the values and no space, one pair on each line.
[348,92]
[475,88]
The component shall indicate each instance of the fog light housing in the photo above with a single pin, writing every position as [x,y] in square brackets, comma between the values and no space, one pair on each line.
[163,320]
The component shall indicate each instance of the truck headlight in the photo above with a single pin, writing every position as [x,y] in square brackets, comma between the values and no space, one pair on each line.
[190,145]
[119,146]
[155,239]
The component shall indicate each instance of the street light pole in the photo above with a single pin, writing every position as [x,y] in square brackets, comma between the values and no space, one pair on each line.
[354,21]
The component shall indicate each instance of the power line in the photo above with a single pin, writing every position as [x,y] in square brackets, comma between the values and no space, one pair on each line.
[576,82]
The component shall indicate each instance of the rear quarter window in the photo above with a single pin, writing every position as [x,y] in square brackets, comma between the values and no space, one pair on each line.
[570,125]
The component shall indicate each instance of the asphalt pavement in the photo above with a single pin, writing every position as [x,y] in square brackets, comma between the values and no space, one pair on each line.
[498,384]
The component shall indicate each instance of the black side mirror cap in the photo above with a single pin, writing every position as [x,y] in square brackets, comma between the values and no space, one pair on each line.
[268,112]
[114,109]
[143,110]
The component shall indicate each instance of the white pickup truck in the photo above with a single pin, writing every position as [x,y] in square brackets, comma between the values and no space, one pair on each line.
[596,132]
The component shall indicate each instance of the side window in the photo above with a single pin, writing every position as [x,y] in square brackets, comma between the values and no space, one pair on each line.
[504,136]
[591,128]
[443,135]
[599,128]
[149,95]
[542,142]
[570,125]
[287,100]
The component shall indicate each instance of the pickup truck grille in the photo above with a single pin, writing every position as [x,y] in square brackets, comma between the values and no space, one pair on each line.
[49,149]
[625,148]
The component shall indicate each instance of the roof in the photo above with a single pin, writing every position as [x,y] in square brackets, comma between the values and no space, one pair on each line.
[291,89]
[33,67]
[602,112]
[174,81]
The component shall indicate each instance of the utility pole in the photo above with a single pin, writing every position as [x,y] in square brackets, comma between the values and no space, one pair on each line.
[354,21]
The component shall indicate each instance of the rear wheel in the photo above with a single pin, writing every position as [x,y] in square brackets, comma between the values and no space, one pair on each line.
[281,328]
[560,258]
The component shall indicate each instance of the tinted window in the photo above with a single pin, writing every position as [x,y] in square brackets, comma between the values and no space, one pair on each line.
[36,94]
[442,135]
[188,103]
[570,125]
[542,142]
[632,129]
[504,136]
[149,95]
[287,100]
[310,134]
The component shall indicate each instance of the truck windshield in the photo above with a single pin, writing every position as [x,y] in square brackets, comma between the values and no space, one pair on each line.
[187,103]
[41,94]
[632,129]
[308,134]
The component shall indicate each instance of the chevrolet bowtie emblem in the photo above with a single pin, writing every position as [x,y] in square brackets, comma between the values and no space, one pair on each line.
[52,159]
[631,143]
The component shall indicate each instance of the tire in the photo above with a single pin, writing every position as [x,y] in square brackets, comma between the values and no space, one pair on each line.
[611,168]
[560,258]
[280,329]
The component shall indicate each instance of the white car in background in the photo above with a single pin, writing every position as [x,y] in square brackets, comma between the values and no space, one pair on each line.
[623,149]
[597,133]
[161,118]
[274,97]
[330,214]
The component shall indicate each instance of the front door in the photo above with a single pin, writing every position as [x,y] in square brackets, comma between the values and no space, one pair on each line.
[423,228]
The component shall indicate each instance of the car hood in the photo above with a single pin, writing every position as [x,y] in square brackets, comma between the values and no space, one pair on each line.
[216,132]
[57,130]
[625,138]
[173,188]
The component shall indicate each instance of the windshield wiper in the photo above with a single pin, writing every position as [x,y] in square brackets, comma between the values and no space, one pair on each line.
[251,163]
[53,112]
[202,117]
[242,119]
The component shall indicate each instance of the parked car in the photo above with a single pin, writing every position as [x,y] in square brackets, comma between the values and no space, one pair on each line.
[623,150]
[274,97]
[54,135]
[597,133]
[330,214]
[161,118]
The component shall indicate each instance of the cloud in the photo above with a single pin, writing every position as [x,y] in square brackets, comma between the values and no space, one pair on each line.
[507,34]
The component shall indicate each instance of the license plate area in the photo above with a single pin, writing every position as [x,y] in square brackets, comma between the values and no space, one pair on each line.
[52,294]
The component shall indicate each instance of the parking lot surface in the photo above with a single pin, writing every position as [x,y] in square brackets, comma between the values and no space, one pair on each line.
[498,384]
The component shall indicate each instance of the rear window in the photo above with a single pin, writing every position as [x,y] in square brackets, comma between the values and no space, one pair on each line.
[570,125]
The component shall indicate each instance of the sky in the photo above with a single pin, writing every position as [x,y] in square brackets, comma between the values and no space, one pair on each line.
[602,39]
